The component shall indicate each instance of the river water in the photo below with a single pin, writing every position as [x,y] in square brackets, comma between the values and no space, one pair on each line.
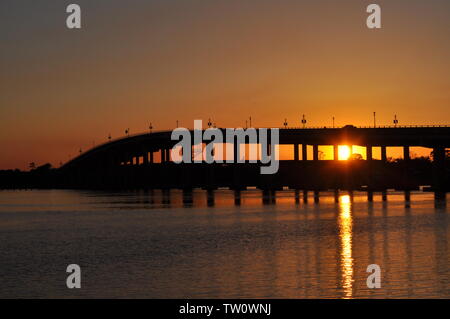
[222,244]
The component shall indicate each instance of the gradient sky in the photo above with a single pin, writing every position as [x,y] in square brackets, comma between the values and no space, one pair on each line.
[135,62]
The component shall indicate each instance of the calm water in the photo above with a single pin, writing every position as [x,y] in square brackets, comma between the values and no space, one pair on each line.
[175,245]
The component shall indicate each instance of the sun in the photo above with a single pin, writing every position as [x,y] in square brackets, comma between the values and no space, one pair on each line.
[344,152]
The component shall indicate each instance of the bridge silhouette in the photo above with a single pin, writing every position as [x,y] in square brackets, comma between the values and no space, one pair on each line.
[144,161]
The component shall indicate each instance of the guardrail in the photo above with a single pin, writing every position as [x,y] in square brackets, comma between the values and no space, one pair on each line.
[378,126]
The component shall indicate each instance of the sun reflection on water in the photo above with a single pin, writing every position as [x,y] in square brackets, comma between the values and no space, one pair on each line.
[345,235]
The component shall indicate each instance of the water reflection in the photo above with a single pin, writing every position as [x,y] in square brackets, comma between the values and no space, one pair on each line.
[345,236]
[210,198]
[197,244]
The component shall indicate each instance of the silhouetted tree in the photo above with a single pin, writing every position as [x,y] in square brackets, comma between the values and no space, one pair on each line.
[447,155]
[356,157]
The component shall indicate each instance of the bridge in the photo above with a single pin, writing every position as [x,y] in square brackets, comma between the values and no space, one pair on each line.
[144,161]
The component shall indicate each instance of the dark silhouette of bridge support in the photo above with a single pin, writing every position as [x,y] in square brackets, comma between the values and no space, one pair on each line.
[151,157]
[297,196]
[210,198]
[370,196]
[406,153]
[383,154]
[145,156]
[296,152]
[316,197]
[237,197]
[439,179]
[315,152]
[162,155]
[407,199]
[336,195]
[369,153]
[187,198]
[304,152]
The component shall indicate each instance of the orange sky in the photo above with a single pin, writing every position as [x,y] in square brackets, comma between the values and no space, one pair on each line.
[159,61]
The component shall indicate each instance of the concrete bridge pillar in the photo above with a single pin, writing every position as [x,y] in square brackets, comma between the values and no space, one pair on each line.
[305,196]
[383,154]
[146,158]
[297,197]
[163,155]
[439,175]
[168,154]
[369,153]
[210,197]
[315,152]
[370,176]
[304,152]
[237,197]
[316,197]
[151,157]
[370,196]
[296,153]
[336,152]
[236,152]
[406,155]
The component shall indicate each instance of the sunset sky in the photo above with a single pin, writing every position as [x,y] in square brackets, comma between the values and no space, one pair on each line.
[135,62]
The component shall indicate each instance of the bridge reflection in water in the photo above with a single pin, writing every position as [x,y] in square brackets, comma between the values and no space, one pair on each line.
[225,243]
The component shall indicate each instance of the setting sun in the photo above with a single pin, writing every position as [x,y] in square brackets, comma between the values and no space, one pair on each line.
[344,152]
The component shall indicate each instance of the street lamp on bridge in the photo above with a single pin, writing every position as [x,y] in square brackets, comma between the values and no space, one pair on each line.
[304,121]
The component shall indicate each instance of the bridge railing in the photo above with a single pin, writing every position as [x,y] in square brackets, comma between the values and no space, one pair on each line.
[378,126]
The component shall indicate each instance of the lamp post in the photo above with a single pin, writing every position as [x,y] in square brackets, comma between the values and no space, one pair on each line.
[304,121]
[285,123]
[395,120]
[150,127]
[374,119]
[333,121]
